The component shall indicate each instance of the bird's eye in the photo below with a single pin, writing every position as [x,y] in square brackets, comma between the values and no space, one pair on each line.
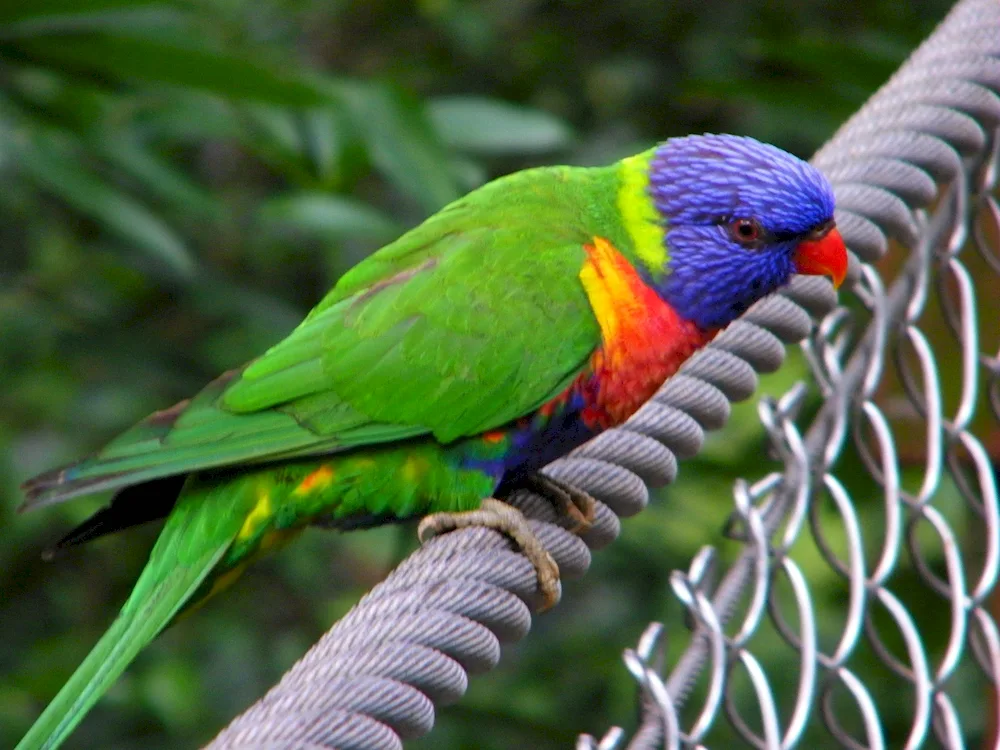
[746,231]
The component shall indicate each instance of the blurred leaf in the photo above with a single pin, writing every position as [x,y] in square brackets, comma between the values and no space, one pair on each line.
[72,104]
[59,11]
[188,116]
[273,134]
[303,145]
[329,216]
[173,689]
[864,59]
[322,137]
[402,144]
[469,174]
[781,109]
[158,177]
[120,57]
[54,166]
[493,127]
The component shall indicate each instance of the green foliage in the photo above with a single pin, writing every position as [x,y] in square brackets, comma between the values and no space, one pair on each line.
[183,180]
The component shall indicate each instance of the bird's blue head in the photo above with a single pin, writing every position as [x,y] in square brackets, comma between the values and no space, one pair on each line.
[741,218]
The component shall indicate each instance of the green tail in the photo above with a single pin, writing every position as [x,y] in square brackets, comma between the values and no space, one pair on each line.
[221,522]
[197,535]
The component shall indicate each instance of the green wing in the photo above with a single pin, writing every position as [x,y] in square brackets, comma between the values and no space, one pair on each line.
[469,321]
[467,340]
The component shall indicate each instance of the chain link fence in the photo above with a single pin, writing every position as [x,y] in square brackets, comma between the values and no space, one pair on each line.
[931,508]
[910,390]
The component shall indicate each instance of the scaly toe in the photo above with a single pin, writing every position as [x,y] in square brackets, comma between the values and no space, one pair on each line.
[498,515]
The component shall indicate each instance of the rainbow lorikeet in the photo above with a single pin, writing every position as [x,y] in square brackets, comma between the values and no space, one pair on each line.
[447,369]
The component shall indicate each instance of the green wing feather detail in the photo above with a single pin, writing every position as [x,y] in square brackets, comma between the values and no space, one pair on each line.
[469,321]
[469,340]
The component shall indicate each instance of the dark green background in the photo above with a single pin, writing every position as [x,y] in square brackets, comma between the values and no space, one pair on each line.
[181,181]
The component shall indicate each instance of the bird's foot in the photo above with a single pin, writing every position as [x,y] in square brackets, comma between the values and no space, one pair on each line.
[575,504]
[498,515]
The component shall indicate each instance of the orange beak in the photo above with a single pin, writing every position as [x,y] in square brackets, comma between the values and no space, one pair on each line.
[824,255]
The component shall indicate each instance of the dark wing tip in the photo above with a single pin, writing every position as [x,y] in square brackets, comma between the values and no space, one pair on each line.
[77,535]
[65,482]
[131,506]
[37,489]
[59,484]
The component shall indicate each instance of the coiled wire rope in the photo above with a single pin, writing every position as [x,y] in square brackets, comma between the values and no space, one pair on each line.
[409,646]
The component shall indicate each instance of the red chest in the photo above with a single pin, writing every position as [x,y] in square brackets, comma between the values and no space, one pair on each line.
[644,341]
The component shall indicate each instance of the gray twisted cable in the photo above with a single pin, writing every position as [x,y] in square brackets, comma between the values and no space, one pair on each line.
[940,107]
[374,679]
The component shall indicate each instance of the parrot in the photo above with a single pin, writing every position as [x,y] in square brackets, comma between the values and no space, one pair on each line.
[445,370]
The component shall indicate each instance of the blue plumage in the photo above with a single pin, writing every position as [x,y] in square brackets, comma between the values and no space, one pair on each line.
[702,185]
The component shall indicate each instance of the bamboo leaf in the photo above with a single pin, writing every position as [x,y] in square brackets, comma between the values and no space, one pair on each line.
[402,144]
[17,11]
[55,167]
[329,216]
[136,58]
[494,127]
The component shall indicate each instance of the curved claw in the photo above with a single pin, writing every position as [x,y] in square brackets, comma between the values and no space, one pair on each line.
[569,502]
[498,515]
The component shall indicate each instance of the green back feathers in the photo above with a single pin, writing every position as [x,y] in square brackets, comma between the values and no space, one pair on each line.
[467,322]
[472,319]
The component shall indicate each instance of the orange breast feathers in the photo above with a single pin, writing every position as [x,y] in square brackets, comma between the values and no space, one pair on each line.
[643,340]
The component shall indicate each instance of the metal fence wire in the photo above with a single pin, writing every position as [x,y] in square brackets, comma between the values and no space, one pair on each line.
[908,389]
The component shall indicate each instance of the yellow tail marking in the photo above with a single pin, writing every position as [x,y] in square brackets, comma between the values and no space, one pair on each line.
[260,514]
[414,467]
